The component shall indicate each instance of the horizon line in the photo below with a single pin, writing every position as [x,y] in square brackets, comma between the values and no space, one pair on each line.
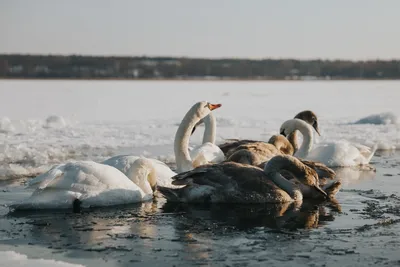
[197,58]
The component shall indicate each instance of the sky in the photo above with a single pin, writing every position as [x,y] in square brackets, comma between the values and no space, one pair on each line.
[306,29]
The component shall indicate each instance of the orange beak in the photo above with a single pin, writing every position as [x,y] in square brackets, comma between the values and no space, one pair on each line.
[214,106]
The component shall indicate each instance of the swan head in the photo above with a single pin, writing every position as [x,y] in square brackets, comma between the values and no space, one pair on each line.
[290,126]
[204,108]
[309,117]
[201,105]
[143,174]
[311,179]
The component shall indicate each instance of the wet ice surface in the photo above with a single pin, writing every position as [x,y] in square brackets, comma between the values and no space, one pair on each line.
[361,229]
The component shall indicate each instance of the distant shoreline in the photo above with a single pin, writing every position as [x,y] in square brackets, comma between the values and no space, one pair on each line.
[197,79]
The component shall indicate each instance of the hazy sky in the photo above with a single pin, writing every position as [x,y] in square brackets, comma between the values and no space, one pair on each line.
[350,29]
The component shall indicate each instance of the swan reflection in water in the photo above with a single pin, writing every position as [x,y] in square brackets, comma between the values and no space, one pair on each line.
[290,215]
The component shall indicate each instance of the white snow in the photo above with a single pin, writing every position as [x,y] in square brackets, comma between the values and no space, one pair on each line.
[6,125]
[14,259]
[99,119]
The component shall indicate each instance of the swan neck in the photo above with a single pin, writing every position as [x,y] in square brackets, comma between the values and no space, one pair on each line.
[210,129]
[306,146]
[181,142]
[286,185]
[288,163]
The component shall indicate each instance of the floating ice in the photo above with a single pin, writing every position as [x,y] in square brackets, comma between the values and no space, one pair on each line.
[55,122]
[379,119]
[14,259]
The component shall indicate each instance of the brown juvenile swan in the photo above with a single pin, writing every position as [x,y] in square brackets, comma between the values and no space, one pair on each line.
[308,116]
[231,182]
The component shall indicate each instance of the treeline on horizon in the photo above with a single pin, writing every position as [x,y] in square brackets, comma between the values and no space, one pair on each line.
[93,67]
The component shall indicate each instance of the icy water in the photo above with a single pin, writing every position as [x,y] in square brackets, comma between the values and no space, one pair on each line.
[360,228]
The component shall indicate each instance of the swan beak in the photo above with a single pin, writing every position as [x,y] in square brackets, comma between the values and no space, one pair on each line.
[214,106]
[315,125]
[320,190]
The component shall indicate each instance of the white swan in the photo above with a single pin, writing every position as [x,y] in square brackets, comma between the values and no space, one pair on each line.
[125,163]
[208,150]
[89,183]
[202,155]
[338,154]
[93,184]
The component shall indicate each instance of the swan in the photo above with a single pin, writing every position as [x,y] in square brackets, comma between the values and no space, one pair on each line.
[231,182]
[91,184]
[339,154]
[307,115]
[184,160]
[208,150]
[125,163]
[85,184]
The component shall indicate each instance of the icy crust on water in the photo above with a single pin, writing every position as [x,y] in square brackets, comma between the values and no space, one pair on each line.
[32,147]
[47,122]
[14,259]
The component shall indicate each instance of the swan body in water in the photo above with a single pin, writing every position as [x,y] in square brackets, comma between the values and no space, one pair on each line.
[91,184]
[339,154]
[231,182]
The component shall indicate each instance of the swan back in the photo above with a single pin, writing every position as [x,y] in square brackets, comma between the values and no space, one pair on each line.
[94,184]
[282,144]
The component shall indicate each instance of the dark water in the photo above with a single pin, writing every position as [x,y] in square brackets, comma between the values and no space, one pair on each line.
[361,228]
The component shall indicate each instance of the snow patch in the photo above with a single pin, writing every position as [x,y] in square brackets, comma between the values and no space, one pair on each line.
[14,259]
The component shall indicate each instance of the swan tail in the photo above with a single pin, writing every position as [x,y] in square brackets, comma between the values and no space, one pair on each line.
[184,178]
[171,194]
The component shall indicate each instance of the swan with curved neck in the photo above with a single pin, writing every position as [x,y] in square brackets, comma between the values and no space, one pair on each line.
[308,116]
[181,143]
[339,154]
[184,159]
[231,182]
